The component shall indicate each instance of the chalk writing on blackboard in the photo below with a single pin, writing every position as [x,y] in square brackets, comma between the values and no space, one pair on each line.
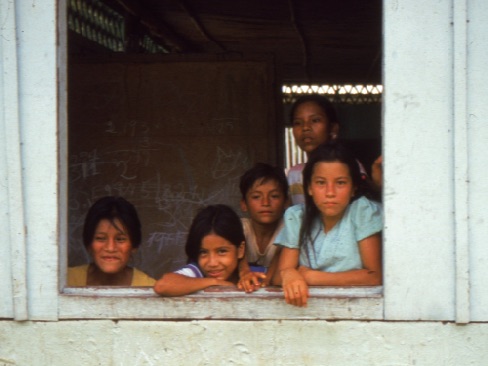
[170,137]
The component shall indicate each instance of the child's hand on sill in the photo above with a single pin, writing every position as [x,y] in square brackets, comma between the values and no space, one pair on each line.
[252,281]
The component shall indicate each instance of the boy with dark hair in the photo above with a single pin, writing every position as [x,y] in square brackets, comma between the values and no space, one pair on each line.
[264,190]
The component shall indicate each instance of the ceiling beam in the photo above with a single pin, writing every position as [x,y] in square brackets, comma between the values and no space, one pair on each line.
[201,28]
[157,28]
[301,36]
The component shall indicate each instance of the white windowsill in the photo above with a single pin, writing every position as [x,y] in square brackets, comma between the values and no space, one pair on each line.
[332,303]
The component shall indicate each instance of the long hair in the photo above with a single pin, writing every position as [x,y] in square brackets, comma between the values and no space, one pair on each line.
[328,152]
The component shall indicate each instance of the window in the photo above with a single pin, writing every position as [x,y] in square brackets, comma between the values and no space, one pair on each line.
[101,26]
[421,247]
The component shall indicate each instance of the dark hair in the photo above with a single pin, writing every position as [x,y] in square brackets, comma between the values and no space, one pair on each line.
[220,220]
[328,152]
[265,173]
[112,208]
[322,101]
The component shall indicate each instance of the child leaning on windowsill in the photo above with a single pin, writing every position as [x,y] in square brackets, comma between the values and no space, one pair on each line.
[335,238]
[214,247]
[264,191]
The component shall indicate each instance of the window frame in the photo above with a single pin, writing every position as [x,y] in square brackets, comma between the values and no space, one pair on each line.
[359,303]
[426,267]
[143,303]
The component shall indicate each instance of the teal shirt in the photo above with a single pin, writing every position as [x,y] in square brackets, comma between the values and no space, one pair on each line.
[337,250]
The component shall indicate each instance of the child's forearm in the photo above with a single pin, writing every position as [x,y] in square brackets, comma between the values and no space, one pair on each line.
[287,259]
[359,277]
[174,284]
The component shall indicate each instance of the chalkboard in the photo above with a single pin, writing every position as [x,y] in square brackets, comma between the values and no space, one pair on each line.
[170,137]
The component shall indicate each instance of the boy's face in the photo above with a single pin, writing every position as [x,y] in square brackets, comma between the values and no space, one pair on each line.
[265,202]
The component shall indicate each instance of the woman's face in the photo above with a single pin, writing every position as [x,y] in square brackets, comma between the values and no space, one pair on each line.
[311,126]
[218,257]
[111,247]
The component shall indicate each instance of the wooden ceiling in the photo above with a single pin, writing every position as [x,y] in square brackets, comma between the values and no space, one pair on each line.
[320,41]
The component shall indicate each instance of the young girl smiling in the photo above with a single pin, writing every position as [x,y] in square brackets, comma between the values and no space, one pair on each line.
[334,239]
[214,247]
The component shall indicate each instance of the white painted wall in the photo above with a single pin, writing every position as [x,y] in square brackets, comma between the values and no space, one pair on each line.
[435,229]
[477,132]
[435,100]
[418,149]
[102,342]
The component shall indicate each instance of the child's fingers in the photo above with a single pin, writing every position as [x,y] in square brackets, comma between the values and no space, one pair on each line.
[244,285]
[296,295]
[258,279]
[247,285]
[251,282]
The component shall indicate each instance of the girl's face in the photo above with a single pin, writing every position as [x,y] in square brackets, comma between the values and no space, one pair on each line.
[218,257]
[331,188]
[265,202]
[311,127]
[111,247]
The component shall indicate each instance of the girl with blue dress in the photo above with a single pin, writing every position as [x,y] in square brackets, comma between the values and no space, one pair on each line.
[334,239]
